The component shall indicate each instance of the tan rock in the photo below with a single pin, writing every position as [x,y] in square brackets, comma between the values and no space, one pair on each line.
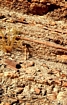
[63,75]
[28,71]
[2,103]
[8,0]
[52,96]
[31,63]
[65,101]
[19,90]
[35,0]
[43,1]
[54,71]
[6,74]
[10,75]
[20,0]
[37,90]
[62,95]
[44,65]
[49,89]
[28,64]
[28,103]
[7,103]
[57,81]
[22,19]
[1,74]
[62,58]
[52,23]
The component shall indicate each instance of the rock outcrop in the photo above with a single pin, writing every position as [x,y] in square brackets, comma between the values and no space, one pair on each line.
[38,7]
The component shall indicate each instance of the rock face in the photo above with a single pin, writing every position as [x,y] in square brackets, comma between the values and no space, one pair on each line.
[38,7]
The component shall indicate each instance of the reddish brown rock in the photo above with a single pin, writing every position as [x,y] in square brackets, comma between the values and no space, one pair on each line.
[10,64]
[64,83]
[38,9]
